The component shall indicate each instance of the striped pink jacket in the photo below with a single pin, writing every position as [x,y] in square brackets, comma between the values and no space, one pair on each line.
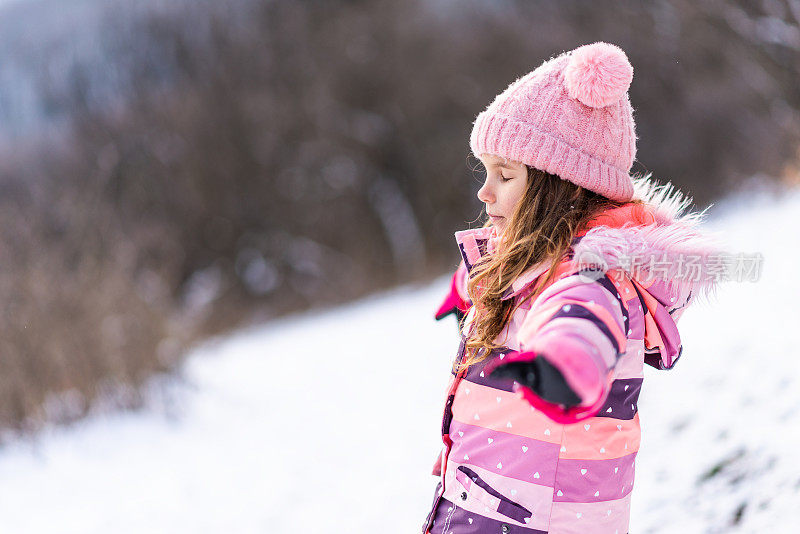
[514,463]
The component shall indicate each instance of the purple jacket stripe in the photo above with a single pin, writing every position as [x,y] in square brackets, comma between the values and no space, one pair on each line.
[515,453]
[594,480]
[622,401]
[579,312]
[476,373]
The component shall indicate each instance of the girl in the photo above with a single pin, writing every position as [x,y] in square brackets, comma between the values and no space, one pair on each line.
[575,282]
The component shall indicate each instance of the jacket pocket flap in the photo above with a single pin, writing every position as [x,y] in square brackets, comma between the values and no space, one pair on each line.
[484,493]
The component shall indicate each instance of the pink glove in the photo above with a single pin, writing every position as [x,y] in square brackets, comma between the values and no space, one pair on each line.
[542,385]
[454,302]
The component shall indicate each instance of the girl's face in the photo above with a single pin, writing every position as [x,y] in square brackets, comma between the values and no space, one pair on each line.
[505,185]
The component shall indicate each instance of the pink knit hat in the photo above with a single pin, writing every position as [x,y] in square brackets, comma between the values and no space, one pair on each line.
[570,117]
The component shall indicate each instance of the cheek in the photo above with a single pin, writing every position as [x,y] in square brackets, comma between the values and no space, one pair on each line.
[517,195]
[511,196]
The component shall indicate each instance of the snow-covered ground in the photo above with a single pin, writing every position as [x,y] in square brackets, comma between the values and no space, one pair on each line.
[329,421]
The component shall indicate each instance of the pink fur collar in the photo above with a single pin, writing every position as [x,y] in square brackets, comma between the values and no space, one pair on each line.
[666,243]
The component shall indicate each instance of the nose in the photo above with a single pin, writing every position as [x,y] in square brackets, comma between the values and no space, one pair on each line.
[485,194]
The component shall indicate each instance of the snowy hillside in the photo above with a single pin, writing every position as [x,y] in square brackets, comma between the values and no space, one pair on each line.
[329,422]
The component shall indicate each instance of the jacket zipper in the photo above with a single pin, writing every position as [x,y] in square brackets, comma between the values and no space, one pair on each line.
[447,418]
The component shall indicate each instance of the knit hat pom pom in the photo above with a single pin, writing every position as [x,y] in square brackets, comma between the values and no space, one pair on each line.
[598,74]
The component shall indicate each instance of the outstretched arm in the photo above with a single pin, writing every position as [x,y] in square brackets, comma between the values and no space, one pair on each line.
[569,345]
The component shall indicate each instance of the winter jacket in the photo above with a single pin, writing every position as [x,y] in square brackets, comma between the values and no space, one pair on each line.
[514,462]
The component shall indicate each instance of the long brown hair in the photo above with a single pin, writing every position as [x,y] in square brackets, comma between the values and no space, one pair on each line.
[544,223]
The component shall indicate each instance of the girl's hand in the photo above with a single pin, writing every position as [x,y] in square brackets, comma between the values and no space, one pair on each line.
[535,372]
